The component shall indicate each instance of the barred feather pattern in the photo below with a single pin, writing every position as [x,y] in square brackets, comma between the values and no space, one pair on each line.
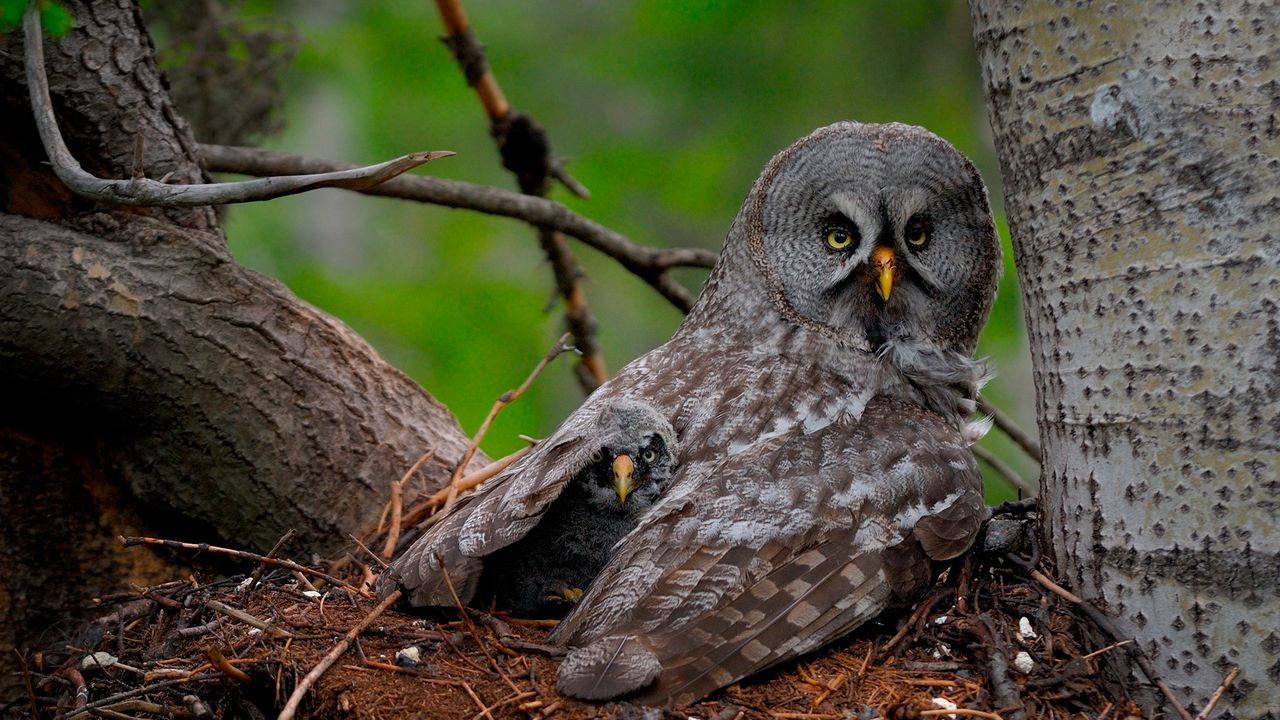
[824,445]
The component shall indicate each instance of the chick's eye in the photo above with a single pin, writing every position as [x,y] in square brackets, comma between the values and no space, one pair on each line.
[649,455]
[916,234]
[839,239]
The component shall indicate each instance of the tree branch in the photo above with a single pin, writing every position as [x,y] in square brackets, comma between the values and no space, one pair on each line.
[1010,428]
[648,263]
[1005,471]
[140,191]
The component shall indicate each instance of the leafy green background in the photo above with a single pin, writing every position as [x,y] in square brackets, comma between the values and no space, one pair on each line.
[666,110]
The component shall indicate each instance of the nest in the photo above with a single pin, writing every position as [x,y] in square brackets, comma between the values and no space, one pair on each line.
[990,640]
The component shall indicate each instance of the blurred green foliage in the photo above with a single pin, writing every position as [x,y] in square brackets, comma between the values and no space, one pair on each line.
[666,110]
[54,18]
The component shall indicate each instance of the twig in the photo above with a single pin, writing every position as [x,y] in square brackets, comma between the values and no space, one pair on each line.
[1054,587]
[1106,649]
[503,400]
[1104,624]
[26,680]
[1029,445]
[940,712]
[295,699]
[247,619]
[257,573]
[1003,688]
[140,191]
[1002,468]
[242,554]
[381,563]
[397,504]
[198,630]
[1217,694]
[219,662]
[648,263]
[526,152]
[424,508]
[471,627]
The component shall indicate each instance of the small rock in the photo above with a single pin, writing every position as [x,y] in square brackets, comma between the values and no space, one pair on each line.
[1025,632]
[940,620]
[944,704]
[313,594]
[98,659]
[409,657]
[1023,662]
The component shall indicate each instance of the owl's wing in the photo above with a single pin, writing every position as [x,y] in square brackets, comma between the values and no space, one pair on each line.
[502,511]
[785,547]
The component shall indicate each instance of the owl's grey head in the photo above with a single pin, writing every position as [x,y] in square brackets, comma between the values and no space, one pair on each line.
[872,234]
[635,460]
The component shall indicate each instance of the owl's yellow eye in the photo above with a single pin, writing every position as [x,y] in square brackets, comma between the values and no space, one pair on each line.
[915,233]
[839,239]
[649,455]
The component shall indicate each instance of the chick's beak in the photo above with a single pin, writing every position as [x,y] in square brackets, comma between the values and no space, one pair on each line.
[623,469]
[883,266]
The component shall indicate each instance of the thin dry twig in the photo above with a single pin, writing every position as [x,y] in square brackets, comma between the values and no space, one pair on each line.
[242,554]
[1029,445]
[140,191]
[247,619]
[397,504]
[471,627]
[1006,471]
[295,699]
[503,400]
[650,264]
[1217,694]
[257,573]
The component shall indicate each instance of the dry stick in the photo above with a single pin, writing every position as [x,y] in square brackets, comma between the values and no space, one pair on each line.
[295,699]
[257,573]
[471,480]
[1006,424]
[242,554]
[1104,623]
[219,662]
[531,171]
[1003,469]
[471,627]
[650,264]
[140,191]
[247,619]
[397,504]
[1003,686]
[1217,694]
[26,679]
[503,400]
[381,563]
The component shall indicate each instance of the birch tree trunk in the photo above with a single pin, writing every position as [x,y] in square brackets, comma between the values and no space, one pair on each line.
[1140,151]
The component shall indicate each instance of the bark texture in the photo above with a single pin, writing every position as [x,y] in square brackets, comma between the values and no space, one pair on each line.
[1140,151]
[148,383]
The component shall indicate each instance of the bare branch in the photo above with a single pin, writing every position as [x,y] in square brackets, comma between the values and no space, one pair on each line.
[1010,428]
[648,263]
[1005,471]
[140,191]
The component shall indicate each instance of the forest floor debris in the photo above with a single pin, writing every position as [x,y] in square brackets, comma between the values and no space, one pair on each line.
[988,641]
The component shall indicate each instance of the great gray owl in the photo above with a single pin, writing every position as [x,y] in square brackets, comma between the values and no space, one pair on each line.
[819,389]
[607,477]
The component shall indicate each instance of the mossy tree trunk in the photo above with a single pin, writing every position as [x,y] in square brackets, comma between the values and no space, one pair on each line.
[1140,150]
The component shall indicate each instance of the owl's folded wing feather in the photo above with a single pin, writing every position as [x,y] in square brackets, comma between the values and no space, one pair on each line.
[782,549]
[499,513]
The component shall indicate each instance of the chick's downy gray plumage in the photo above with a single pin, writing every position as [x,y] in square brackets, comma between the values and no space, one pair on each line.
[610,476]
[543,573]
[819,390]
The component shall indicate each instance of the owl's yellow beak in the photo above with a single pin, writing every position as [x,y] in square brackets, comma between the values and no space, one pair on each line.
[883,266]
[623,469]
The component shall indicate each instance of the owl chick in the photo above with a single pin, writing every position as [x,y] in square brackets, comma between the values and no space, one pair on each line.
[611,473]
[543,574]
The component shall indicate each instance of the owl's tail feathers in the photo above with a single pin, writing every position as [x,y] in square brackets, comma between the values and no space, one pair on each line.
[608,668]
